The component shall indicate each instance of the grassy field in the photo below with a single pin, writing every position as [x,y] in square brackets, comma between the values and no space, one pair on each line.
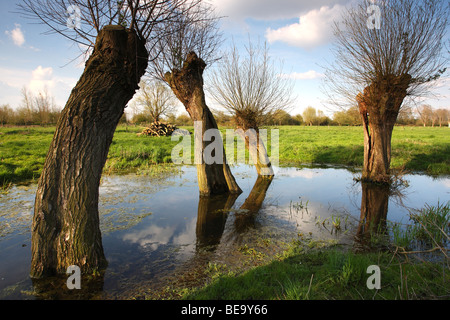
[23,149]
[414,148]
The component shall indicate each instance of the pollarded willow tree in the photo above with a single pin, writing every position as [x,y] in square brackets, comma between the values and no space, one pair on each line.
[180,60]
[251,89]
[65,228]
[382,58]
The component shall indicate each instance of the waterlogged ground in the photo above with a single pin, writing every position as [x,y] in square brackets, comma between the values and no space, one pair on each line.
[158,231]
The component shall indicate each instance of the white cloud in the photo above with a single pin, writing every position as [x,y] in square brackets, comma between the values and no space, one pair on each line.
[15,78]
[153,236]
[446,183]
[313,29]
[17,36]
[9,95]
[311,74]
[303,173]
[41,78]
[12,81]
[443,82]
[238,10]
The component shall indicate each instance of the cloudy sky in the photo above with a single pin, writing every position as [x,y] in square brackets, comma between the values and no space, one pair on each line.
[297,31]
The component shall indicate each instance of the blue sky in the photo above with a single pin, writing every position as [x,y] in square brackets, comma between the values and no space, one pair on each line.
[298,32]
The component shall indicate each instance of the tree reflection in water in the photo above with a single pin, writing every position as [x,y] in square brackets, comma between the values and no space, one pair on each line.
[55,288]
[213,212]
[246,215]
[211,219]
[374,209]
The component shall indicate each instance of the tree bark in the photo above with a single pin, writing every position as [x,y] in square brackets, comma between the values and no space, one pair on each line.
[257,150]
[379,106]
[187,85]
[65,229]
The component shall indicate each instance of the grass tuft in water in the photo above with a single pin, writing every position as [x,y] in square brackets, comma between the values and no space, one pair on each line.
[431,225]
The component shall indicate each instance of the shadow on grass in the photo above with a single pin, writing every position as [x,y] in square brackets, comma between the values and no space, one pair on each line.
[10,173]
[327,273]
[435,162]
[345,155]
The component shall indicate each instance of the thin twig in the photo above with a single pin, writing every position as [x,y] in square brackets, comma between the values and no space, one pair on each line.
[309,288]
[422,251]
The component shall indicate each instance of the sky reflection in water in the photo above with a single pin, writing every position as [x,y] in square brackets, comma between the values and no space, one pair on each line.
[152,226]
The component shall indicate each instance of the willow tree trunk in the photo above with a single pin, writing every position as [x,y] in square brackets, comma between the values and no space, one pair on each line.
[379,106]
[187,85]
[65,228]
[256,149]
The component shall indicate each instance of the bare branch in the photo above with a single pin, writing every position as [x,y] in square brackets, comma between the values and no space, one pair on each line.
[156,99]
[196,31]
[409,41]
[250,88]
[146,17]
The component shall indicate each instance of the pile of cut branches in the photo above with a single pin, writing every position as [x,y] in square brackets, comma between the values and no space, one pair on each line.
[158,129]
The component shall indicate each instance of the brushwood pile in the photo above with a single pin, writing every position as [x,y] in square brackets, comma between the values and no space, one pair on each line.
[159,129]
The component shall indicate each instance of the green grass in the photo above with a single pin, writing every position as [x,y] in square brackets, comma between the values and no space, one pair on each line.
[310,270]
[309,273]
[130,152]
[23,150]
[413,148]
[430,226]
[307,270]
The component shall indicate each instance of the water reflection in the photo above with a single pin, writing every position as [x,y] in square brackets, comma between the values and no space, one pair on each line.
[211,219]
[374,210]
[213,212]
[246,215]
[152,227]
[55,288]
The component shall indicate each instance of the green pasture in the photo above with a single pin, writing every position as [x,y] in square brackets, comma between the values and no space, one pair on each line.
[414,149]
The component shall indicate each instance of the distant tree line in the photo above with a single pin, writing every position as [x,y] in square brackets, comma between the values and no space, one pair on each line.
[155,102]
[41,110]
[427,116]
[35,109]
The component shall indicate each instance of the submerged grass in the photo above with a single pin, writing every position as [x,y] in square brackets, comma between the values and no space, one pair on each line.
[23,149]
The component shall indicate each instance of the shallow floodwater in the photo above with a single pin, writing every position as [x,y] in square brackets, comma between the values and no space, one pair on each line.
[155,229]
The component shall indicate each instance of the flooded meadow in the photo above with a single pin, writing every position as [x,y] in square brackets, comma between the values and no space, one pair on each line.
[157,230]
